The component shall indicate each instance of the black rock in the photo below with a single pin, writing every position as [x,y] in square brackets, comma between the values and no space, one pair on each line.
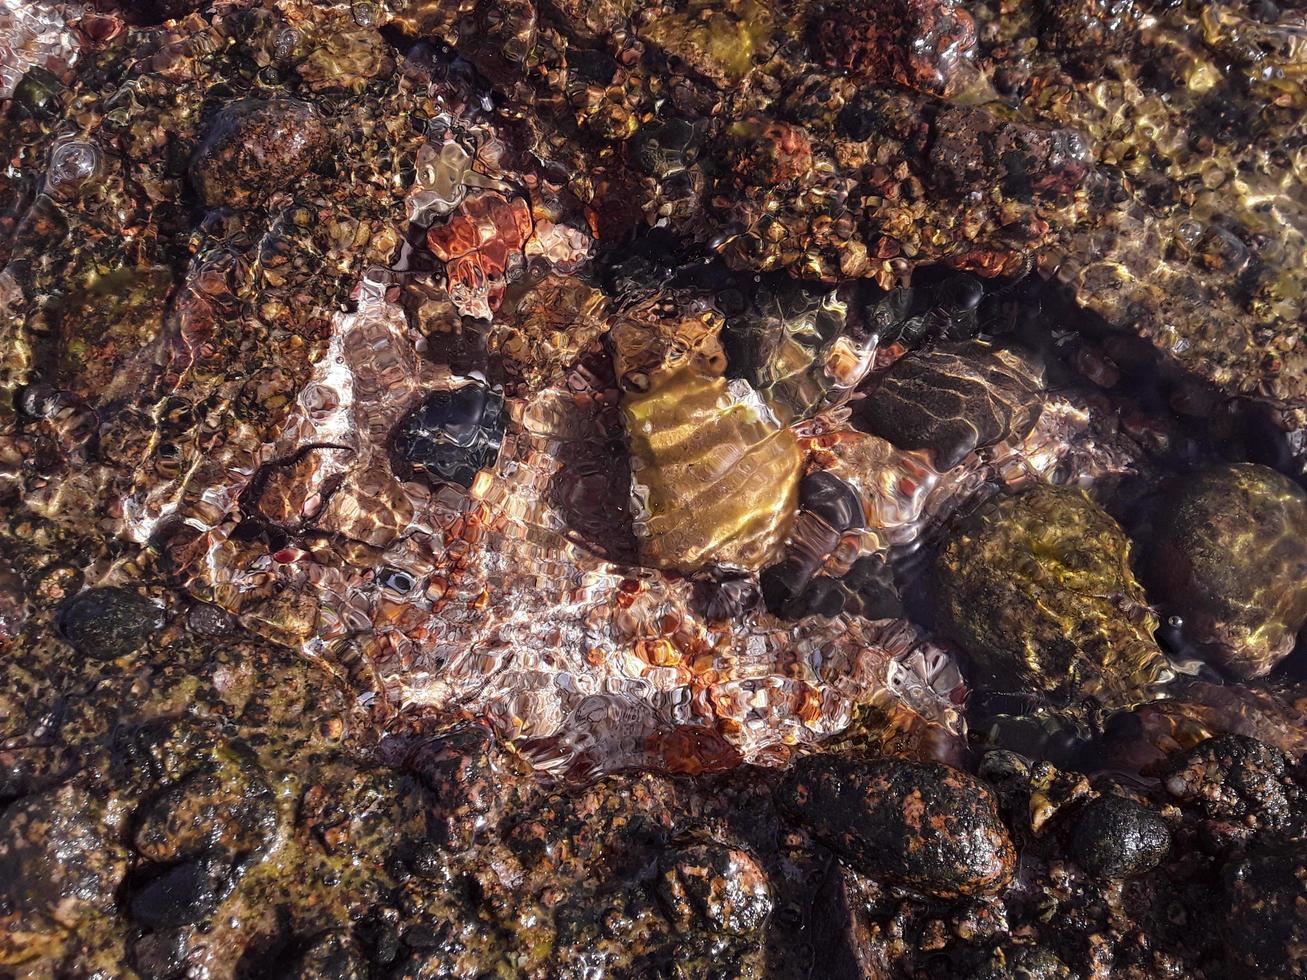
[953,400]
[714,887]
[723,598]
[182,895]
[921,825]
[831,499]
[1118,838]
[876,596]
[105,624]
[450,436]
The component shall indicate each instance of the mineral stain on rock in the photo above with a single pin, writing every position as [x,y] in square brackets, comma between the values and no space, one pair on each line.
[925,826]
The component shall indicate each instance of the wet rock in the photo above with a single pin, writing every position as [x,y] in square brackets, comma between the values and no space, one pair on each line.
[183,894]
[724,598]
[1037,588]
[921,825]
[952,400]
[105,624]
[1013,962]
[331,956]
[974,146]
[56,858]
[253,147]
[831,499]
[1229,555]
[226,807]
[1265,921]
[361,812]
[921,44]
[451,435]
[160,955]
[843,945]
[1085,29]
[1117,838]
[714,887]
[457,769]
[1232,777]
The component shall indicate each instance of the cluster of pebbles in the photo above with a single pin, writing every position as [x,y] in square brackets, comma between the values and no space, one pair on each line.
[499,489]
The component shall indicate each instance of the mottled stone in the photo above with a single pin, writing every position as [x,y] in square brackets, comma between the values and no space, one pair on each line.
[925,826]
[225,807]
[254,147]
[721,888]
[1232,777]
[458,771]
[331,956]
[972,146]
[1038,589]
[923,44]
[1229,555]
[56,858]
[106,624]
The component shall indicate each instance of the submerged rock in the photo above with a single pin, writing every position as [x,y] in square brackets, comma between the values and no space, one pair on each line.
[1038,589]
[254,147]
[1229,555]
[922,44]
[106,624]
[953,400]
[921,825]
[451,435]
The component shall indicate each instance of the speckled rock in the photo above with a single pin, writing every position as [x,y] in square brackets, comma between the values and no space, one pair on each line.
[331,956]
[226,806]
[254,147]
[924,826]
[1229,555]
[58,865]
[458,771]
[721,888]
[1118,838]
[923,44]
[1265,920]
[1013,962]
[106,624]
[1232,777]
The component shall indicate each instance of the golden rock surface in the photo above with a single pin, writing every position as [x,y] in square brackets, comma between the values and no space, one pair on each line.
[716,475]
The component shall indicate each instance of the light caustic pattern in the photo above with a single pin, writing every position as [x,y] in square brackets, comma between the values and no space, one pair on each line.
[495,601]
[483,602]
[35,34]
